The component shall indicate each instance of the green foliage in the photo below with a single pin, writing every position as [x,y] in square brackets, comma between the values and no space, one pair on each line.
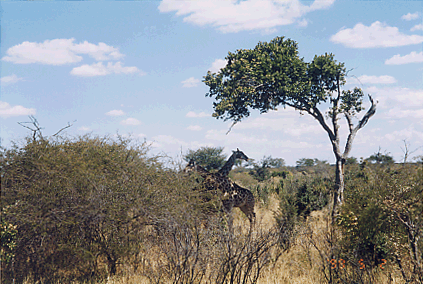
[379,158]
[273,74]
[419,159]
[299,196]
[352,101]
[8,235]
[272,162]
[283,174]
[287,220]
[351,161]
[211,158]
[80,206]
[260,173]
[261,170]
[383,216]
[307,162]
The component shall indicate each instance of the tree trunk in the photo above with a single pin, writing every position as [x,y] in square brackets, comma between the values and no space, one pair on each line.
[338,198]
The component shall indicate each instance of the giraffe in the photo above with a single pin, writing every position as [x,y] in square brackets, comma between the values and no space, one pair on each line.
[227,167]
[238,196]
[232,195]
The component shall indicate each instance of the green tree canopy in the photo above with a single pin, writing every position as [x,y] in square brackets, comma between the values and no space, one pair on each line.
[351,161]
[261,171]
[211,158]
[307,162]
[272,74]
[379,158]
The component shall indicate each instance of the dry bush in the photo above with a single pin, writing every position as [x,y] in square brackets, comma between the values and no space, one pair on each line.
[80,205]
[179,252]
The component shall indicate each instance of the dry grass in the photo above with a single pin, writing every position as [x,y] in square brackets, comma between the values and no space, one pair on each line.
[302,264]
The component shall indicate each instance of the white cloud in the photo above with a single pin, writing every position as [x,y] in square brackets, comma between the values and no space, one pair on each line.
[418,27]
[130,121]
[84,129]
[168,139]
[6,110]
[194,127]
[233,137]
[160,141]
[408,133]
[303,23]
[246,140]
[376,35]
[398,97]
[6,80]
[190,82]
[100,52]
[193,114]
[95,69]
[293,126]
[405,113]
[235,16]
[217,65]
[413,57]
[365,79]
[409,16]
[115,112]
[59,52]
[98,69]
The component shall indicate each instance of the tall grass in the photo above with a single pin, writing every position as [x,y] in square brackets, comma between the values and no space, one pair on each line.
[97,210]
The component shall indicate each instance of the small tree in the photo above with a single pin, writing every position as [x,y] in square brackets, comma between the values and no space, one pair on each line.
[351,161]
[273,74]
[261,171]
[273,162]
[305,162]
[379,158]
[211,158]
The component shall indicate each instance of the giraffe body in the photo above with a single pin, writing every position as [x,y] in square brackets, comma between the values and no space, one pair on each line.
[231,194]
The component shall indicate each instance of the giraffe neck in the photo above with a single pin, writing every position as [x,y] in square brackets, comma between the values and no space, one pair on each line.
[227,167]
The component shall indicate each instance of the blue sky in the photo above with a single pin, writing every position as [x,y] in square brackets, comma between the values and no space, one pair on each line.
[135,68]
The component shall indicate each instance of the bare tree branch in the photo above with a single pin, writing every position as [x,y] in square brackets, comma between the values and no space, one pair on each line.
[230,128]
[406,150]
[67,126]
[361,123]
[35,131]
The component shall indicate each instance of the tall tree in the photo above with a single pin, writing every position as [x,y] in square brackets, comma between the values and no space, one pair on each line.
[211,158]
[273,74]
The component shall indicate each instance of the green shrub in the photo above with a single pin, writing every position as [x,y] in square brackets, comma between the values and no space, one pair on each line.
[80,206]
[382,218]
[299,196]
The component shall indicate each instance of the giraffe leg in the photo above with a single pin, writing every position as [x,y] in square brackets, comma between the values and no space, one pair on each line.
[227,207]
[249,212]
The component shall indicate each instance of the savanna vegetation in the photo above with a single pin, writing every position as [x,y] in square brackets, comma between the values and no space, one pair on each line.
[100,210]
[95,209]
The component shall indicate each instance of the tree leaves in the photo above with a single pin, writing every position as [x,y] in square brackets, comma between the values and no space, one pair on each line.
[272,74]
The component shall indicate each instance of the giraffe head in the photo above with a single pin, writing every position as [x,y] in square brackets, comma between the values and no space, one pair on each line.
[240,155]
[194,167]
[190,167]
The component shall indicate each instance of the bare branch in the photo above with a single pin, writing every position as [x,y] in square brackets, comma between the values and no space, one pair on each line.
[370,113]
[361,123]
[35,131]
[67,126]
[406,150]
[230,128]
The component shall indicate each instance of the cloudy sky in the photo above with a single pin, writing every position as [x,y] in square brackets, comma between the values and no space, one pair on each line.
[136,67]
